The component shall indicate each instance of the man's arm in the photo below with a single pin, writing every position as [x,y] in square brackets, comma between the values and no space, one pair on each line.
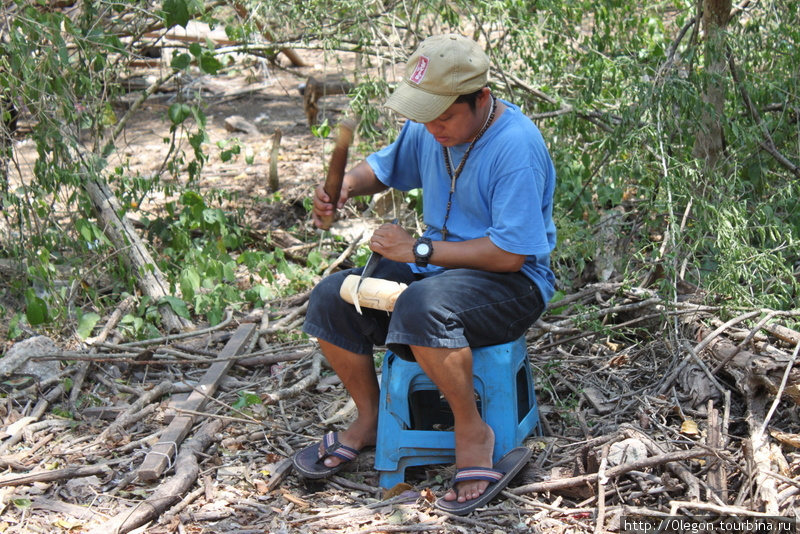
[480,254]
[392,242]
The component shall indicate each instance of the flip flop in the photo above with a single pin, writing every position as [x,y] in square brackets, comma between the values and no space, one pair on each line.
[310,464]
[499,476]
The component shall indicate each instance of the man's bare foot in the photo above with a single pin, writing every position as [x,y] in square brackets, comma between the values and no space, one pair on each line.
[474,447]
[362,433]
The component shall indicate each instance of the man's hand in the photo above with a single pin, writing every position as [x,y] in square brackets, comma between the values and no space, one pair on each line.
[322,206]
[392,242]
[358,181]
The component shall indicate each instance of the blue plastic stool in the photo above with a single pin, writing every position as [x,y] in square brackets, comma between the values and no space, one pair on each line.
[410,406]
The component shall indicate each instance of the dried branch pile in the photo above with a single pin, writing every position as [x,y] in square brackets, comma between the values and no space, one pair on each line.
[648,407]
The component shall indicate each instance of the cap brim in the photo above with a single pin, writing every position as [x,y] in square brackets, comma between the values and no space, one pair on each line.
[418,105]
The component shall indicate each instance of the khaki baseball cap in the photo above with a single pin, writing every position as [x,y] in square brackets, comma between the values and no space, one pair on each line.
[442,68]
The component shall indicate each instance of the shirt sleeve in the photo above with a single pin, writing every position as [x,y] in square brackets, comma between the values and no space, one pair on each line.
[520,216]
[397,165]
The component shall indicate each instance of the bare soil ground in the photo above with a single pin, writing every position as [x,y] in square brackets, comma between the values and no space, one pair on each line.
[631,425]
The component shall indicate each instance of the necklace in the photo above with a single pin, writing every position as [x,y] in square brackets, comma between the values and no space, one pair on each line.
[454,175]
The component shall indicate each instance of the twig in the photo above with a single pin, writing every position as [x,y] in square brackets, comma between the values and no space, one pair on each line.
[344,255]
[55,475]
[251,421]
[164,339]
[677,469]
[601,492]
[768,143]
[304,384]
[778,394]
[274,180]
[355,485]
[141,100]
[736,320]
[39,410]
[745,341]
[278,326]
[178,508]
[590,478]
[727,510]
[129,416]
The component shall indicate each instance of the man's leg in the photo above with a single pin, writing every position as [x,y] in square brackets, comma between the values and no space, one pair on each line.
[357,372]
[451,371]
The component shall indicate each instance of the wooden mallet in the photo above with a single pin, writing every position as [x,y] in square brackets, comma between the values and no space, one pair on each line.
[337,167]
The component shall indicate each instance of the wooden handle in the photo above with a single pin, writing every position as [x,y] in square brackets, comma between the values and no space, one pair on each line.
[333,182]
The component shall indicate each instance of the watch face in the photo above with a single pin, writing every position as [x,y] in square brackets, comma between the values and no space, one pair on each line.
[423,249]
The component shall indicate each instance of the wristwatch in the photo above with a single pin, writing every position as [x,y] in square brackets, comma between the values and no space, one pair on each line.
[423,250]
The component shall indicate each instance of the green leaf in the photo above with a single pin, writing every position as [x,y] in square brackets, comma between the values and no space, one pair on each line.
[315,258]
[84,227]
[179,112]
[190,282]
[14,331]
[209,63]
[177,305]
[22,503]
[36,310]
[181,61]
[86,324]
[176,12]
[246,399]
[215,315]
[321,130]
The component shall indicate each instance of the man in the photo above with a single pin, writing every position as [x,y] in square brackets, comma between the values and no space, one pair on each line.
[479,275]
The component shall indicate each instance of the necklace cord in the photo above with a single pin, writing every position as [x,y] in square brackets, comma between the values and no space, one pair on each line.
[454,175]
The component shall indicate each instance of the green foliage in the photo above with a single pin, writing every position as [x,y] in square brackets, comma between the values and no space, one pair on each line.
[636,104]
[60,68]
[245,400]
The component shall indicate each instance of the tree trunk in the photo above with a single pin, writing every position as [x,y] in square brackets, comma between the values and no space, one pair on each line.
[133,252]
[710,140]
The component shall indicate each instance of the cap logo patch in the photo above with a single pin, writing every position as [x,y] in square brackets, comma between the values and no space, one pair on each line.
[420,70]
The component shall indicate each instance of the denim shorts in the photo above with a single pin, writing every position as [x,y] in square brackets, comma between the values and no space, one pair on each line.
[453,309]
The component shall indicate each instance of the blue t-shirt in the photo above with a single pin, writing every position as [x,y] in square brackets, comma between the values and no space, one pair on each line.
[505,190]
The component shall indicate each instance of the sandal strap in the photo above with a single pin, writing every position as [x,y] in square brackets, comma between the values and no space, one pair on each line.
[334,448]
[477,473]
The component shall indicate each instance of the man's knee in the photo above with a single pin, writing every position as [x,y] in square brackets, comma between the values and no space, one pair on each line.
[326,290]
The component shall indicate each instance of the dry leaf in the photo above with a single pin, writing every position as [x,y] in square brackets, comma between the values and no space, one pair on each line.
[261,486]
[787,438]
[67,525]
[690,428]
[398,489]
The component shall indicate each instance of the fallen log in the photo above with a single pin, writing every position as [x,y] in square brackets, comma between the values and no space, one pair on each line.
[121,233]
[764,369]
[785,334]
